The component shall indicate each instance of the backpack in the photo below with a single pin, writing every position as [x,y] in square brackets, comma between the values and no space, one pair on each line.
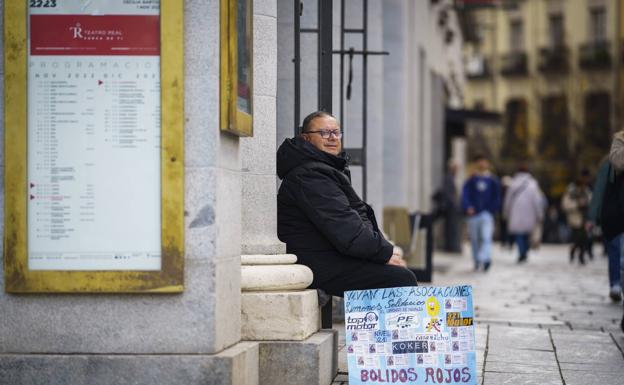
[612,213]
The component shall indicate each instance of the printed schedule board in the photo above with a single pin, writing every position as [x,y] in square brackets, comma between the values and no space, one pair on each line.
[94,145]
[411,335]
[94,135]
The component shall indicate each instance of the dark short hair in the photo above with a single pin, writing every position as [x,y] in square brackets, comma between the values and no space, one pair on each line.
[316,114]
[523,167]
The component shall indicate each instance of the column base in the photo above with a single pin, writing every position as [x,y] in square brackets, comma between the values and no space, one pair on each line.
[282,315]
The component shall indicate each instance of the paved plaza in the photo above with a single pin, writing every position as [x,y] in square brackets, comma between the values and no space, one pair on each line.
[543,322]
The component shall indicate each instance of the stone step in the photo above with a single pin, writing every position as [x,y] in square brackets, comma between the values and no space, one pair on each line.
[236,365]
[312,361]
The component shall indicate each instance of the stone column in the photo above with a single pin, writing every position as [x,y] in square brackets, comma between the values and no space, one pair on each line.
[397,140]
[259,206]
[273,284]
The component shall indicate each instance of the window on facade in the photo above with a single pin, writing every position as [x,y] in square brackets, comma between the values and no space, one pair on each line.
[597,127]
[553,139]
[598,25]
[516,36]
[516,137]
[555,27]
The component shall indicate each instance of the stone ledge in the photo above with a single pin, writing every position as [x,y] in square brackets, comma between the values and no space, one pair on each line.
[267,247]
[236,365]
[268,259]
[282,315]
[275,277]
[313,361]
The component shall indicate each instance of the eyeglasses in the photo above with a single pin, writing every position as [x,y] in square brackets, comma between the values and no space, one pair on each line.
[325,134]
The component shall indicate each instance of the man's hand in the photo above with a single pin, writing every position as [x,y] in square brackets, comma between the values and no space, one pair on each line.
[396,261]
[470,211]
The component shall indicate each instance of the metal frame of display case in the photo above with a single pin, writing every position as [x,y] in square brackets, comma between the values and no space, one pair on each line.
[18,277]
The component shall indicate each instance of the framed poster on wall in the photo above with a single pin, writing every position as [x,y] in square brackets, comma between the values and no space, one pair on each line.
[236,96]
[94,146]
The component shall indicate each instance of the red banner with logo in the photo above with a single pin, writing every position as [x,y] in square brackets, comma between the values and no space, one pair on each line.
[132,35]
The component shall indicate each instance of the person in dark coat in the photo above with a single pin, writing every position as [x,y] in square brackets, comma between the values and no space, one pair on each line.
[481,200]
[447,207]
[324,222]
[594,217]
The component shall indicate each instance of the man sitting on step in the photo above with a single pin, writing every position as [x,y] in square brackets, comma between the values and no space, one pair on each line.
[324,222]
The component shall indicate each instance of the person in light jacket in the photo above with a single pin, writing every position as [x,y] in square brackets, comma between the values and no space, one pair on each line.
[523,208]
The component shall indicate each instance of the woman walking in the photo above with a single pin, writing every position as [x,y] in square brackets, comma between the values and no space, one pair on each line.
[523,208]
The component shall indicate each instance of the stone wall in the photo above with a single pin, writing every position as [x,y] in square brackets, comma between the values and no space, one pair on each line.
[206,317]
[396,125]
[422,65]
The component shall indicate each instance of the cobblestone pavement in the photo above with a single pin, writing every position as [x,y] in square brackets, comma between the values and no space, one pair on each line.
[543,322]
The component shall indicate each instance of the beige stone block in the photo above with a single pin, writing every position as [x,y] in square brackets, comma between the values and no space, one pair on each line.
[275,277]
[281,316]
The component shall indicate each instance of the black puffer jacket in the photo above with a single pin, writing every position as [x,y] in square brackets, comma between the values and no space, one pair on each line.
[319,215]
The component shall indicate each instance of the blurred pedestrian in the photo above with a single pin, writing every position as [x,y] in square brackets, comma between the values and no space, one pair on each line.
[616,155]
[575,203]
[613,202]
[594,218]
[552,224]
[447,207]
[523,208]
[506,238]
[537,234]
[481,200]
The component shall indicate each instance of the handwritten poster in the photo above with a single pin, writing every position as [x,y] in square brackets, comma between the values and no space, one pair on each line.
[94,135]
[411,335]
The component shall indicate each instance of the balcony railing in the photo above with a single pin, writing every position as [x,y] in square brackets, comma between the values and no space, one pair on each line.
[595,55]
[514,64]
[553,59]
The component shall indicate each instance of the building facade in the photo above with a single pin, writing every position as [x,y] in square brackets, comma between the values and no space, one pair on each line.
[554,70]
